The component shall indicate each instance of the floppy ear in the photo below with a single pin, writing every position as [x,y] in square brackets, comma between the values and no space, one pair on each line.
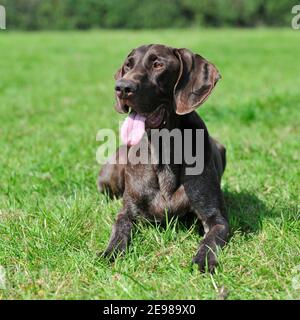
[197,78]
[118,75]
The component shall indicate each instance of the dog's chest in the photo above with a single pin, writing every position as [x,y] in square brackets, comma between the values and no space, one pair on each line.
[167,180]
[150,187]
[144,179]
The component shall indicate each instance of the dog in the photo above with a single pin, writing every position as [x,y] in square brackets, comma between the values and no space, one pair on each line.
[160,87]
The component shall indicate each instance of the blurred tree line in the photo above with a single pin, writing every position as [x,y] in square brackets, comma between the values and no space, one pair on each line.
[134,14]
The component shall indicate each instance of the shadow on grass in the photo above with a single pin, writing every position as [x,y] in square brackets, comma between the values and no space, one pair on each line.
[245,211]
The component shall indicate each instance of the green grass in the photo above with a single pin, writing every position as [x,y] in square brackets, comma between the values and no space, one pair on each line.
[56,92]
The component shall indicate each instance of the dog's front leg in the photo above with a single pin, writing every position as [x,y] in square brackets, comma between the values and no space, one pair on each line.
[216,235]
[120,236]
[216,227]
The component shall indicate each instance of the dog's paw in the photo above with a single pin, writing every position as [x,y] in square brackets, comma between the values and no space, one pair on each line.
[106,254]
[206,258]
[109,254]
[112,253]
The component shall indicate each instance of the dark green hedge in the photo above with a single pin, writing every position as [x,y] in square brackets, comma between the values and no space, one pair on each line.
[85,14]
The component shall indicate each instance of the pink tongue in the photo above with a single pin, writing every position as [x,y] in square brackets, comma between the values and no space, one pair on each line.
[133,129]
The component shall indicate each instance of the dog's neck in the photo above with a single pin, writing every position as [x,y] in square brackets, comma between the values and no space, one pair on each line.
[158,146]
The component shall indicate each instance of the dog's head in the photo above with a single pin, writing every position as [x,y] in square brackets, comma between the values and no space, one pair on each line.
[157,81]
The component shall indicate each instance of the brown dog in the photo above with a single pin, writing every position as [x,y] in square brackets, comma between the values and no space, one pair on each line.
[163,86]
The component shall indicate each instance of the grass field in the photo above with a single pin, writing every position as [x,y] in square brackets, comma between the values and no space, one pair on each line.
[56,92]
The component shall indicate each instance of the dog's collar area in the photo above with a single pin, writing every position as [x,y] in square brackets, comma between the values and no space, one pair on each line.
[153,120]
[156,118]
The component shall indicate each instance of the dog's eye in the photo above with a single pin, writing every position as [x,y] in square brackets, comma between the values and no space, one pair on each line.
[127,66]
[157,65]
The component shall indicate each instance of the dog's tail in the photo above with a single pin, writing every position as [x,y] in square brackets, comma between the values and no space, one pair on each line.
[219,152]
[223,156]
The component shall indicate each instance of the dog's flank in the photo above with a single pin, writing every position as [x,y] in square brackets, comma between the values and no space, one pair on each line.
[162,87]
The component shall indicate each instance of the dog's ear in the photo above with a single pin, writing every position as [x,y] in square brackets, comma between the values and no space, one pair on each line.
[119,106]
[118,75]
[197,77]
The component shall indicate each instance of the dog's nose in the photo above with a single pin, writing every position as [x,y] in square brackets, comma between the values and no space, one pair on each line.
[125,87]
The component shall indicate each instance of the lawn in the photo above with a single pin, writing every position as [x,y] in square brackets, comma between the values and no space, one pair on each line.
[56,92]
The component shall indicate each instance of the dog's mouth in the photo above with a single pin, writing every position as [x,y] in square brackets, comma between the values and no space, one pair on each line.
[135,124]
